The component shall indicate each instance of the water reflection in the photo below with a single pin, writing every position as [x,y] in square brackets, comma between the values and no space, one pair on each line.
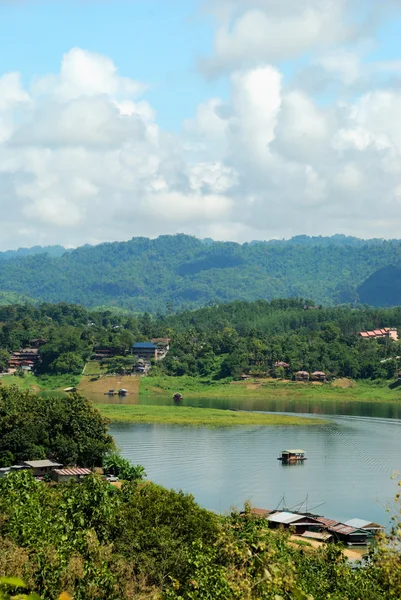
[350,464]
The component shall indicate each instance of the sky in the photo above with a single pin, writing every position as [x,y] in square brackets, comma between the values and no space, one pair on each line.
[231,119]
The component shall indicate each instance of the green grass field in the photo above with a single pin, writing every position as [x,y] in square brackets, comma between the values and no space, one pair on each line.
[343,390]
[93,367]
[42,383]
[185,415]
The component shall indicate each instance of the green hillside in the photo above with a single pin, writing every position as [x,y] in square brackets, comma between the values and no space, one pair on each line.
[175,272]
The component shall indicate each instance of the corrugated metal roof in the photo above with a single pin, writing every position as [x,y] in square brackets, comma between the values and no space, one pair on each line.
[293,451]
[344,529]
[73,471]
[41,464]
[337,527]
[144,345]
[284,517]
[327,522]
[363,524]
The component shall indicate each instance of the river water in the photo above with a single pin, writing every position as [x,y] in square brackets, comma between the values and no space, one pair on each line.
[352,460]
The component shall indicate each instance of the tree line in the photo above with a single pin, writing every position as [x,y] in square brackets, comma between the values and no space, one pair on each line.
[218,341]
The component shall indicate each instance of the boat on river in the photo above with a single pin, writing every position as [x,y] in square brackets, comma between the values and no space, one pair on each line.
[123,392]
[177,397]
[111,393]
[292,456]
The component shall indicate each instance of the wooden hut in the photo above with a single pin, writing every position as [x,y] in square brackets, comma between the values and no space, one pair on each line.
[302,376]
[318,376]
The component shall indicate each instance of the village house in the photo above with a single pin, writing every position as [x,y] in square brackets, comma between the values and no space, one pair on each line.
[162,345]
[300,523]
[41,467]
[281,363]
[100,353]
[145,350]
[38,342]
[385,332]
[302,376]
[25,359]
[141,367]
[318,376]
[68,474]
[344,533]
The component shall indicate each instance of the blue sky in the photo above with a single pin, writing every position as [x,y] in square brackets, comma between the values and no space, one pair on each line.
[157,42]
[258,119]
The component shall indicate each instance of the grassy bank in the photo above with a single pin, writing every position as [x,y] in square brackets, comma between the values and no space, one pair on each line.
[35,383]
[344,390]
[186,415]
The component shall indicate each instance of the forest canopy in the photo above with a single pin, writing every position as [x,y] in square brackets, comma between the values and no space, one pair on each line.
[180,271]
[217,342]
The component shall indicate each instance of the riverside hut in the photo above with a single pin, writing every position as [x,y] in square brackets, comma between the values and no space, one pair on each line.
[302,376]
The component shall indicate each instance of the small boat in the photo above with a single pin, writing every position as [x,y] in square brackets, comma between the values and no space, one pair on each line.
[110,393]
[177,397]
[123,392]
[292,456]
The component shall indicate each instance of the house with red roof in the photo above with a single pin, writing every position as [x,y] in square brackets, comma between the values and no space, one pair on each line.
[384,332]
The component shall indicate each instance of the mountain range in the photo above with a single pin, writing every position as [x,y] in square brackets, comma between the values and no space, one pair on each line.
[170,273]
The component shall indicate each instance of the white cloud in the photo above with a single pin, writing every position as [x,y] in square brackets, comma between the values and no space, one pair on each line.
[269,31]
[83,159]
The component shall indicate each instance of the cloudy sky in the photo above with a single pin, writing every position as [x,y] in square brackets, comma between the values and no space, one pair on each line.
[230,119]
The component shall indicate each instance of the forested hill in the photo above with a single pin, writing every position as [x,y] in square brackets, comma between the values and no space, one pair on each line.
[180,271]
[21,252]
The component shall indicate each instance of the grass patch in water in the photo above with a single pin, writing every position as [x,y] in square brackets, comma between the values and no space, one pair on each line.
[187,415]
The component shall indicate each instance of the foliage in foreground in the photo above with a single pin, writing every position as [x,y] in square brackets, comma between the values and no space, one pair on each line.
[115,464]
[69,429]
[97,542]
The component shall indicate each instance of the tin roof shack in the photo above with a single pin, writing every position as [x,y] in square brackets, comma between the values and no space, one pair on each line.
[302,376]
[41,467]
[145,350]
[301,523]
[73,473]
[371,528]
[4,471]
[352,536]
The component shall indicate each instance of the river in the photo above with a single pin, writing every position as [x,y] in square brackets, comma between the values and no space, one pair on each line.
[351,461]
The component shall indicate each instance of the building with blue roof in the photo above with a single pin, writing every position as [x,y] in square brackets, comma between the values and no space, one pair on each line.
[145,350]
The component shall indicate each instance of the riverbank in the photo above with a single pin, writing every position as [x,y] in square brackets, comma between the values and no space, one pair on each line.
[187,415]
[342,390]
[147,389]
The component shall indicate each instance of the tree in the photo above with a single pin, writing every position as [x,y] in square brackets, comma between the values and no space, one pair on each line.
[4,356]
[115,464]
[68,429]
